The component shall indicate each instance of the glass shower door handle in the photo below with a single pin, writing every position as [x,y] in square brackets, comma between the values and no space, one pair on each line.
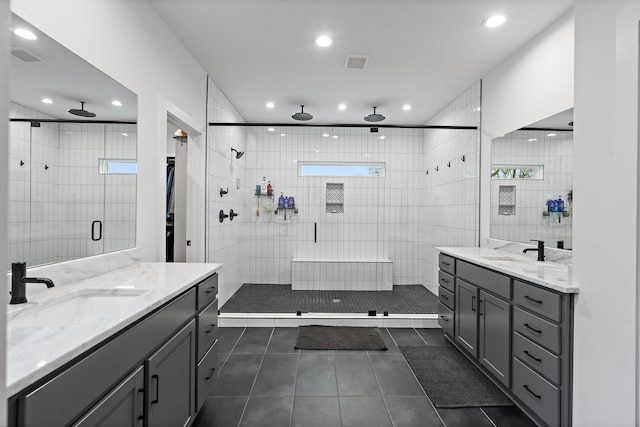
[96,231]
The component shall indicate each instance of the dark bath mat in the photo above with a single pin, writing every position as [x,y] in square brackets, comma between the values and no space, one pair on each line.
[339,338]
[450,379]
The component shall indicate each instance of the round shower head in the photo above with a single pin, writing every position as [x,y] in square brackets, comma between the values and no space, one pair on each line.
[302,115]
[82,112]
[374,117]
[239,154]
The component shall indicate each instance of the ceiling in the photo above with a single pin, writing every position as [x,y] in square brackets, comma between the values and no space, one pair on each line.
[66,79]
[421,52]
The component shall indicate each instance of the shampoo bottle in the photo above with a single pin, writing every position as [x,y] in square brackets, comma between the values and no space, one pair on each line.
[281,201]
[263,185]
[269,188]
[292,202]
[560,204]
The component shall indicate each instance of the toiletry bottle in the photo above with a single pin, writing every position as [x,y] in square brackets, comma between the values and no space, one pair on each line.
[269,188]
[281,201]
[550,205]
[263,185]
[258,187]
[286,202]
[292,202]
[560,204]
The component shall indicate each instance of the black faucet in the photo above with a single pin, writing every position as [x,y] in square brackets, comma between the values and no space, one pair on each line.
[540,249]
[18,280]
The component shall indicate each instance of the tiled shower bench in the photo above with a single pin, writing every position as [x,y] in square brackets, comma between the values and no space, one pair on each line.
[342,274]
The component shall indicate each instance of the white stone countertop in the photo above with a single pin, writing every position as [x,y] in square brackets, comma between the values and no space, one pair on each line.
[551,275]
[42,337]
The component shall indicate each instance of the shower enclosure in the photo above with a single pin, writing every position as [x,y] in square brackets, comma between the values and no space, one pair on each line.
[72,189]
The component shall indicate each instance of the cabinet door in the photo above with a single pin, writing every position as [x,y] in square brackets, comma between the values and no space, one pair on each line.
[122,407]
[466,323]
[171,380]
[495,328]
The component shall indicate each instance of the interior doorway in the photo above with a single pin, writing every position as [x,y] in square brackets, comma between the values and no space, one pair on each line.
[176,194]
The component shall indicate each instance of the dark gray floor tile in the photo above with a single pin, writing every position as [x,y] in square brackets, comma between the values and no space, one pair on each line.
[237,376]
[364,412]
[254,340]
[222,358]
[268,412]
[394,375]
[508,416]
[433,336]
[227,339]
[220,412]
[355,376]
[283,340]
[316,375]
[412,412]
[406,336]
[316,412]
[391,345]
[277,375]
[464,417]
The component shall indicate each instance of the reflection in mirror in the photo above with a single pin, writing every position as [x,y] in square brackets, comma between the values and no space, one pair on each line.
[532,183]
[62,206]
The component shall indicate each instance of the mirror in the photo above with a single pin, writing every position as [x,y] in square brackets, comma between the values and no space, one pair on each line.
[531,171]
[72,176]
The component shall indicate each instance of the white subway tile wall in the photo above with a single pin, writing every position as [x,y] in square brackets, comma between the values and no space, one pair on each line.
[450,199]
[57,193]
[555,154]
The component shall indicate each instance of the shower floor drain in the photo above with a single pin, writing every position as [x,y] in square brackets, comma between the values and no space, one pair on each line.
[336,300]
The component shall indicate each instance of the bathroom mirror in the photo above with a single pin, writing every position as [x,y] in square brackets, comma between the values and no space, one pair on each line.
[529,168]
[72,174]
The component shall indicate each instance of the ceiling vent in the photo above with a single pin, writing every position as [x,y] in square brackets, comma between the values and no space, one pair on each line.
[356,62]
[25,55]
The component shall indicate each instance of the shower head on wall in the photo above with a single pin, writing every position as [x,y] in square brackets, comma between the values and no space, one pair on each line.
[82,112]
[302,115]
[374,117]
[238,153]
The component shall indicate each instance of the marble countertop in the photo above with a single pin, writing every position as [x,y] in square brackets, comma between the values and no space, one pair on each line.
[551,275]
[64,321]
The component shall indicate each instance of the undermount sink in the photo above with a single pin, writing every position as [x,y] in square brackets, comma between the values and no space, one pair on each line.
[501,258]
[70,308]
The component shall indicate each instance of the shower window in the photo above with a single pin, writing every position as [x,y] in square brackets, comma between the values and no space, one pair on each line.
[517,172]
[117,166]
[363,170]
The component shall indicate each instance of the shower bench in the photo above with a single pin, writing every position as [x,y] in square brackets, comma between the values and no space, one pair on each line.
[342,274]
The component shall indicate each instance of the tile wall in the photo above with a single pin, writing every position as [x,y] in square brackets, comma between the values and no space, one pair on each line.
[450,200]
[57,193]
[555,154]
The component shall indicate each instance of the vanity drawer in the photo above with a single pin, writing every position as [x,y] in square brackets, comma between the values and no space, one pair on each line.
[490,280]
[206,373]
[446,281]
[447,263]
[541,301]
[445,319]
[536,357]
[207,328]
[207,291]
[539,395]
[446,297]
[537,329]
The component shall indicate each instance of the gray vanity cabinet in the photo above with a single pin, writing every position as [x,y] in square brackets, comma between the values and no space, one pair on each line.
[493,336]
[170,376]
[466,316]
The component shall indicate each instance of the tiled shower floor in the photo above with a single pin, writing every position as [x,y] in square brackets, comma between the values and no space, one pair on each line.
[262,298]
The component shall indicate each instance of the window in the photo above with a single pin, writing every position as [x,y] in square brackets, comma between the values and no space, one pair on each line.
[517,172]
[365,170]
[117,166]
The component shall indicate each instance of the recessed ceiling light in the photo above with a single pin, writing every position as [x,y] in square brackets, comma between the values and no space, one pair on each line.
[271,130]
[47,101]
[552,134]
[326,135]
[342,107]
[270,105]
[324,41]
[116,103]
[406,107]
[283,134]
[335,137]
[125,134]
[494,21]
[532,139]
[25,34]
[381,137]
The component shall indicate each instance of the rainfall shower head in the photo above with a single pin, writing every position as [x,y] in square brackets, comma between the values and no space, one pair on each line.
[82,112]
[302,115]
[374,117]
[238,153]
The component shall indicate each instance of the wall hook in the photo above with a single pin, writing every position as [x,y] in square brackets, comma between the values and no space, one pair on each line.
[21,163]
[223,192]
[427,171]
[222,216]
[449,163]
[463,158]
[232,215]
[46,167]
[437,169]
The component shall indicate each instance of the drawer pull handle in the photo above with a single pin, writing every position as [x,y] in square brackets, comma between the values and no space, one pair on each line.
[211,289]
[157,399]
[208,331]
[141,417]
[532,300]
[445,280]
[534,358]
[445,318]
[526,325]
[480,307]
[473,303]
[445,297]
[210,374]
[537,396]
[445,263]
